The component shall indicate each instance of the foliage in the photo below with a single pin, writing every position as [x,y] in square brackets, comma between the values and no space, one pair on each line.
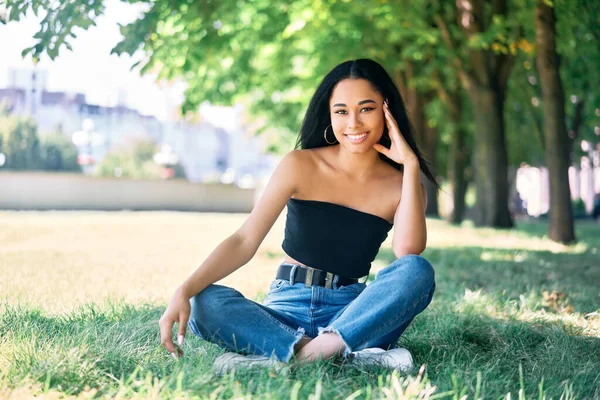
[578,30]
[130,162]
[579,209]
[577,35]
[20,143]
[523,114]
[268,55]
[25,150]
[58,153]
[57,26]
[134,161]
[271,55]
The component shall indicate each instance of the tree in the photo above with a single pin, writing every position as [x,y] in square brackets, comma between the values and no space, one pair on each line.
[460,145]
[259,52]
[135,161]
[58,153]
[578,35]
[270,55]
[20,143]
[484,50]
[556,139]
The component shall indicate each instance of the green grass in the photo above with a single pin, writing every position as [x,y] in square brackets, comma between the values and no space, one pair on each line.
[82,294]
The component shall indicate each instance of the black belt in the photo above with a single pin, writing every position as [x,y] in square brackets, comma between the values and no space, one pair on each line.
[311,276]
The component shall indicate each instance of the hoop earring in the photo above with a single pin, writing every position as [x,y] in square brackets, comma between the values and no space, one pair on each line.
[325,136]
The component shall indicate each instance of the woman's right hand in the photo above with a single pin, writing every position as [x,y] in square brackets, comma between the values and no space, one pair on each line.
[178,311]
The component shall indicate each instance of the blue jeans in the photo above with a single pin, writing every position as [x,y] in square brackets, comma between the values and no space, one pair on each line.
[364,316]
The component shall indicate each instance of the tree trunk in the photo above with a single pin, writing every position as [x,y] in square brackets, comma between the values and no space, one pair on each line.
[574,131]
[430,150]
[484,75]
[425,136]
[556,139]
[457,162]
[490,161]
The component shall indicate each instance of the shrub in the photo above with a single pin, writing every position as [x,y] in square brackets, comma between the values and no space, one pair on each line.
[59,154]
[135,161]
[20,142]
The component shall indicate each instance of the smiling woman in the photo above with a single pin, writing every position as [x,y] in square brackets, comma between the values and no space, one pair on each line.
[348,119]
[348,101]
[355,175]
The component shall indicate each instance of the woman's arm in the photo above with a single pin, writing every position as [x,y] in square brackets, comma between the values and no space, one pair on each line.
[233,252]
[410,229]
[239,248]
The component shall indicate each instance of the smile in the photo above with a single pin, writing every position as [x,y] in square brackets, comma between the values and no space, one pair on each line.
[358,137]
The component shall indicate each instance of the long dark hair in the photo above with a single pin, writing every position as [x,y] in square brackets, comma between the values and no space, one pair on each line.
[317,116]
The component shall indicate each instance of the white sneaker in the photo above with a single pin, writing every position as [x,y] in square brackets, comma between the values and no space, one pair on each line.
[228,361]
[399,359]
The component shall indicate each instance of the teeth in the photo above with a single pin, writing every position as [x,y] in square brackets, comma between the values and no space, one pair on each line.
[356,137]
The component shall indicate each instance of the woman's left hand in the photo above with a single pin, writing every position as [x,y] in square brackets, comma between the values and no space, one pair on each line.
[399,150]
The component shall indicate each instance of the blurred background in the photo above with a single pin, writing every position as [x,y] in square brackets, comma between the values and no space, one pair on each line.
[178,105]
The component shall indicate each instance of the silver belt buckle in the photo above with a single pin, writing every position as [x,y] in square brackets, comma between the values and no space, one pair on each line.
[328,280]
[309,276]
[293,274]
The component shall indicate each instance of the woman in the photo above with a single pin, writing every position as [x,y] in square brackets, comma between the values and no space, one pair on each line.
[356,175]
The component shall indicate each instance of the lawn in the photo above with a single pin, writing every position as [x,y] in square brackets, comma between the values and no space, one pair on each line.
[81,294]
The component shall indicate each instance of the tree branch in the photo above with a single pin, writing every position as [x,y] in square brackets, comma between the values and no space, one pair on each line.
[479,23]
[574,131]
[505,63]
[442,92]
[456,60]
[499,7]
[471,21]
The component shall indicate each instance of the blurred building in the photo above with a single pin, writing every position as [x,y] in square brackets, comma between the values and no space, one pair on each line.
[244,152]
[64,112]
[533,185]
[203,149]
[217,144]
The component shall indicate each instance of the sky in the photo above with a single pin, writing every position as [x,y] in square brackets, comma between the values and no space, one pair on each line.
[90,68]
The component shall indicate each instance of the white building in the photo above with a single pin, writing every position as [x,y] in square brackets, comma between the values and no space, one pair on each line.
[203,149]
[60,111]
[206,150]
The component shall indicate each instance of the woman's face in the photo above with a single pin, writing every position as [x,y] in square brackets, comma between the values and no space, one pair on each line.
[357,118]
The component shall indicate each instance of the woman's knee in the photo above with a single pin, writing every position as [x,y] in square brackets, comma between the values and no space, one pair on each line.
[207,308]
[420,276]
[210,302]
[419,270]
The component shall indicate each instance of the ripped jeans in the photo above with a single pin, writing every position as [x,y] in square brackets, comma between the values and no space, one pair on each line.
[364,316]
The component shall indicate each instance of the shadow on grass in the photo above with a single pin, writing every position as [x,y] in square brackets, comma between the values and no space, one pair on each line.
[473,326]
[509,274]
[586,230]
[462,343]
[97,349]
[473,323]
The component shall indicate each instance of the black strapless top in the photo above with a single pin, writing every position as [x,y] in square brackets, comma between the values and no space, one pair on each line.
[333,238]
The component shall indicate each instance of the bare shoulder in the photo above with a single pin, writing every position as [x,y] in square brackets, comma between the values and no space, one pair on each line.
[321,158]
[282,185]
[311,155]
[305,160]
[293,163]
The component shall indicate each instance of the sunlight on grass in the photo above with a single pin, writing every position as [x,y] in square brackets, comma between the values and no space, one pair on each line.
[441,235]
[81,294]
[61,260]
